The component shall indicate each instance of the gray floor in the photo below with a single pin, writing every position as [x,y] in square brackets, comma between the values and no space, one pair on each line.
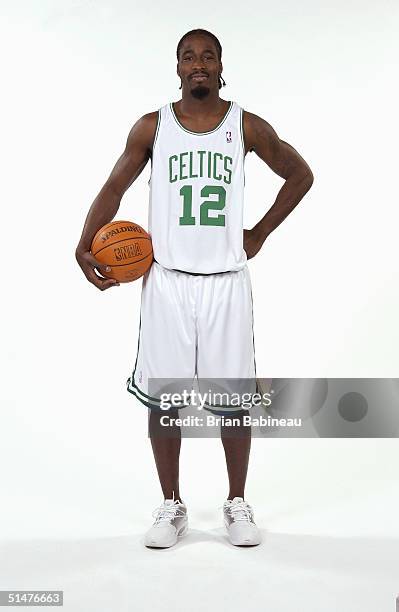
[288,572]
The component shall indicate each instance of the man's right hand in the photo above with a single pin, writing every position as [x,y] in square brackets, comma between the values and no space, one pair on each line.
[89,263]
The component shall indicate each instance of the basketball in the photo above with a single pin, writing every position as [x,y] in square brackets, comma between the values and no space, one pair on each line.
[125,247]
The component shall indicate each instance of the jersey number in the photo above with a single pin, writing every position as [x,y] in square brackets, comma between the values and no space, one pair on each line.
[205,207]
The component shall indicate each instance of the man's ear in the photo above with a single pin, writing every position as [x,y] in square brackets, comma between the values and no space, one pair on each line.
[177,70]
[221,67]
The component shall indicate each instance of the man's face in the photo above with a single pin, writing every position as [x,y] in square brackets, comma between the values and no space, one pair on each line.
[199,66]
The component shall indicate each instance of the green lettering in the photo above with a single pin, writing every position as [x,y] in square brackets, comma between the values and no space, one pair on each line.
[191,166]
[209,164]
[182,166]
[187,217]
[228,170]
[201,155]
[208,205]
[216,176]
[172,180]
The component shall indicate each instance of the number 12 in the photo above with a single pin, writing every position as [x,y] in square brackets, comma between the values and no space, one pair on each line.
[205,207]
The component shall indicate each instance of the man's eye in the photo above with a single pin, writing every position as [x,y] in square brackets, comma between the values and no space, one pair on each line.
[188,57]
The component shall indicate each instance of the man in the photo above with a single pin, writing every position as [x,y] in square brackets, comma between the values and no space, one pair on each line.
[196,310]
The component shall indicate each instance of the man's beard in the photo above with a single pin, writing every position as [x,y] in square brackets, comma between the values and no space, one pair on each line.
[200,92]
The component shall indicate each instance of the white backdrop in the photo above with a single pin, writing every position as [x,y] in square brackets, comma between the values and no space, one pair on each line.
[78,478]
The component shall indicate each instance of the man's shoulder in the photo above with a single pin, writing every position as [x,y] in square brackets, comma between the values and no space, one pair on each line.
[249,117]
[143,131]
[250,122]
[147,124]
[149,119]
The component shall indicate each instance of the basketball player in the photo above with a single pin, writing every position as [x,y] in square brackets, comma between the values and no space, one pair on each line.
[196,303]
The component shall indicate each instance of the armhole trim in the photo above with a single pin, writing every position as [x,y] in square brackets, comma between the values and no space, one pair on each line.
[157,129]
[153,145]
[242,140]
[242,130]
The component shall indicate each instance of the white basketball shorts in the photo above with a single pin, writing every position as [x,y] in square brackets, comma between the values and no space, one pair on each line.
[195,325]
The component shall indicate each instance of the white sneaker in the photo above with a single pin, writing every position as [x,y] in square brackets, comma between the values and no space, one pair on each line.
[170,523]
[239,522]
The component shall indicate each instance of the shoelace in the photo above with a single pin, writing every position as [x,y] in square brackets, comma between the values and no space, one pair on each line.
[167,512]
[240,511]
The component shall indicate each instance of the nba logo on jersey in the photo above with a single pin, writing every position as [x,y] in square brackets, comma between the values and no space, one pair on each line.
[228,136]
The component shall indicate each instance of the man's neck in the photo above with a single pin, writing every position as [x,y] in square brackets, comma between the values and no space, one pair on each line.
[190,106]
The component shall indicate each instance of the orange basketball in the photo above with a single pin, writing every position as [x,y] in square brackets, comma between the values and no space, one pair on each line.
[125,247]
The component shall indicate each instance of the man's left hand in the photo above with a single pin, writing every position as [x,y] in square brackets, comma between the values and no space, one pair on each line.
[252,242]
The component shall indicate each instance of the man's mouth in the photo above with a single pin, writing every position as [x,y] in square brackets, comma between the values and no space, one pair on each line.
[198,78]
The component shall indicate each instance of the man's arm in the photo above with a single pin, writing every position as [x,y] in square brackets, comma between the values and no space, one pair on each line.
[129,166]
[284,160]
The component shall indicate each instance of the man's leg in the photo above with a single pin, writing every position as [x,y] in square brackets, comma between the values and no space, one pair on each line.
[238,514]
[226,352]
[237,445]
[171,517]
[166,449]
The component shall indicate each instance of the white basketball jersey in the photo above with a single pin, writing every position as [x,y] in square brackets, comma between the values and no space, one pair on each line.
[197,194]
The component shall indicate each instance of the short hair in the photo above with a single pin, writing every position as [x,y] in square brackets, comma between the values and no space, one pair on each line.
[201,32]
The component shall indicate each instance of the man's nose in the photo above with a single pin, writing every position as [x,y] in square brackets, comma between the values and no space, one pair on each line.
[198,64]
